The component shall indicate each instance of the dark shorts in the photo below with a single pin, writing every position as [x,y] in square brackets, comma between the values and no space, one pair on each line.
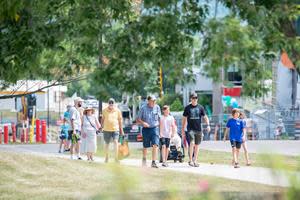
[75,138]
[109,136]
[70,132]
[235,144]
[150,137]
[62,137]
[195,136]
[165,141]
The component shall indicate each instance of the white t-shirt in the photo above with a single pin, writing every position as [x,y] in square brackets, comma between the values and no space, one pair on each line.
[75,116]
[166,124]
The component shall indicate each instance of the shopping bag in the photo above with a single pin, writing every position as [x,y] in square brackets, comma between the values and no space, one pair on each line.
[123,151]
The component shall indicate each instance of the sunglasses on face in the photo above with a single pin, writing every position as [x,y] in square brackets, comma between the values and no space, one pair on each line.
[194,97]
[111,103]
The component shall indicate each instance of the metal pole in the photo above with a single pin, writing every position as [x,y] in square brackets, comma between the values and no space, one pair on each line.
[48,112]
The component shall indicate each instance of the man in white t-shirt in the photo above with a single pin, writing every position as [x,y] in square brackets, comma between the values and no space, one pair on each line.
[75,119]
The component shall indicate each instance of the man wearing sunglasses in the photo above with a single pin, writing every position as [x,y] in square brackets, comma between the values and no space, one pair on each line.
[112,127]
[192,117]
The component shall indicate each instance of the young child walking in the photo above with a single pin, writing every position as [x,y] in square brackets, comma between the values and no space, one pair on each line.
[244,144]
[63,135]
[167,130]
[237,133]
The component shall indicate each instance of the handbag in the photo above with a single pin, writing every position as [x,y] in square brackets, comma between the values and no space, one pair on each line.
[97,131]
[123,151]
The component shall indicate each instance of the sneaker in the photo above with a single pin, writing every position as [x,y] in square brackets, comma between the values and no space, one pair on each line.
[196,164]
[59,151]
[154,165]
[236,165]
[79,158]
[66,150]
[165,164]
[72,157]
[144,162]
[191,163]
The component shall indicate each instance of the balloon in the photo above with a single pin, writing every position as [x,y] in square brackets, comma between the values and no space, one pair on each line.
[235,104]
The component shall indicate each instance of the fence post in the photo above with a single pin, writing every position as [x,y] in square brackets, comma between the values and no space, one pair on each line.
[0,135]
[14,134]
[37,130]
[44,132]
[5,134]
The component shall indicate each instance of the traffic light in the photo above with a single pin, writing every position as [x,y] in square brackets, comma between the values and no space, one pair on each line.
[160,81]
[31,100]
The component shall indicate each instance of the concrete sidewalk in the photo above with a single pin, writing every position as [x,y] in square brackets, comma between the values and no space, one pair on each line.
[250,174]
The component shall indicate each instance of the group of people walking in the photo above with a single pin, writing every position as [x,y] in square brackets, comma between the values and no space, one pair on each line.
[80,127]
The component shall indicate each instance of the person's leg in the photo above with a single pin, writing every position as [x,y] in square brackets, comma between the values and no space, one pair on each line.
[116,148]
[234,154]
[115,137]
[146,144]
[154,138]
[60,145]
[154,152]
[163,152]
[246,153]
[106,147]
[196,152]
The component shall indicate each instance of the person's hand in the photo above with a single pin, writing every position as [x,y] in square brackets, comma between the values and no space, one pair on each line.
[208,129]
[146,125]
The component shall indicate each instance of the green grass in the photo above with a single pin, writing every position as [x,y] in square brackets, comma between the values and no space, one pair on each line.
[24,176]
[216,157]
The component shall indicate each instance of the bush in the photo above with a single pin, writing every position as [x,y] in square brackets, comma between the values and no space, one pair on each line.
[169,99]
[176,105]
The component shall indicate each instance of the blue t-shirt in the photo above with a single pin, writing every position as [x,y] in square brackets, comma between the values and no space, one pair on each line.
[236,129]
[64,129]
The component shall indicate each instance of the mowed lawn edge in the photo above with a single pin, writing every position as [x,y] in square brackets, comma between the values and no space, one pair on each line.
[25,176]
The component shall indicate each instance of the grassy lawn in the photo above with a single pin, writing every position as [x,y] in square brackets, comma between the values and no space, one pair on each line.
[24,176]
[216,157]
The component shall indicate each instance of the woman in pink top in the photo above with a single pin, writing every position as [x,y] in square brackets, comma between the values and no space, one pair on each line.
[167,130]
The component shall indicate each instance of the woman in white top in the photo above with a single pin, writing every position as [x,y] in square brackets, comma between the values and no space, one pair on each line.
[90,125]
[167,130]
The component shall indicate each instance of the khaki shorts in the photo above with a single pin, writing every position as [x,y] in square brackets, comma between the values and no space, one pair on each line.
[195,136]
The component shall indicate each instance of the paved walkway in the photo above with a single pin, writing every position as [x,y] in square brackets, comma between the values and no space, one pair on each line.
[283,147]
[251,174]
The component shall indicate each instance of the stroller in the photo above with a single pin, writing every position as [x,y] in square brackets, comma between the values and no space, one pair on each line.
[174,154]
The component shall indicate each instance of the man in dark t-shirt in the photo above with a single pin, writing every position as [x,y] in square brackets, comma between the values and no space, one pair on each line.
[192,117]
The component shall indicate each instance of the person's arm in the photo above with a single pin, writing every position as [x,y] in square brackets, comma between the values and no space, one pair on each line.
[207,123]
[102,121]
[160,127]
[184,120]
[120,121]
[98,125]
[244,134]
[225,134]
[174,128]
[140,121]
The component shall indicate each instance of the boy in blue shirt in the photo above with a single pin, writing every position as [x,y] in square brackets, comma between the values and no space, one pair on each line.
[237,133]
[63,135]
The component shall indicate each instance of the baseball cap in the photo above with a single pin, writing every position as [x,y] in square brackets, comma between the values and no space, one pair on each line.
[111,100]
[151,97]
[78,99]
[194,95]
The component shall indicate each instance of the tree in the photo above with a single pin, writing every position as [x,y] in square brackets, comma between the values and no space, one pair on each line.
[250,38]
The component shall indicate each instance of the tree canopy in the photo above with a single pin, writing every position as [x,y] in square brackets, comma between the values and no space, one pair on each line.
[121,44]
